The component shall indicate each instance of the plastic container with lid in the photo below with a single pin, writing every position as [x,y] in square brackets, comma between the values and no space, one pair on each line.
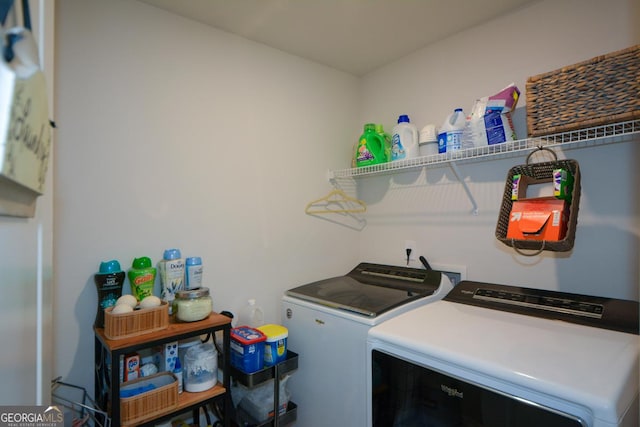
[185,345]
[275,346]
[428,141]
[200,370]
[247,349]
[192,305]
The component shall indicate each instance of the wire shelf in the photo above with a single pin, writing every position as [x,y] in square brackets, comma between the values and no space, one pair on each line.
[599,135]
[78,403]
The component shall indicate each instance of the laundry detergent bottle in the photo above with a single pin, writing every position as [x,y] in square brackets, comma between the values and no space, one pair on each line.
[371,147]
[404,142]
[109,280]
[142,277]
[387,141]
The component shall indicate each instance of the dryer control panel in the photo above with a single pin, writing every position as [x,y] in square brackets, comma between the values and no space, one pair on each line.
[606,313]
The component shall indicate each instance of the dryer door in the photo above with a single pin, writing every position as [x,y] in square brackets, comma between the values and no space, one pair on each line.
[408,395]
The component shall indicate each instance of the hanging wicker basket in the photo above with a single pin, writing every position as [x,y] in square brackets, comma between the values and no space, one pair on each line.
[540,173]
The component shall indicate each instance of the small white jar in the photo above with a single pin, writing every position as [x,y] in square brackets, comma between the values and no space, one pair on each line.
[192,305]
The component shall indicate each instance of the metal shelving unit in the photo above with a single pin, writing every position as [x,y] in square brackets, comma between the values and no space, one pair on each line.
[589,137]
[107,384]
[290,364]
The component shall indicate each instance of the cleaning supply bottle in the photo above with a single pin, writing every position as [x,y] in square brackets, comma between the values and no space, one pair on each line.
[404,142]
[387,141]
[171,269]
[371,147]
[177,371]
[251,315]
[142,277]
[109,280]
[450,135]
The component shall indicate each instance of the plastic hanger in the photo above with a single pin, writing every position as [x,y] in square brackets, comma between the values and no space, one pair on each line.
[339,198]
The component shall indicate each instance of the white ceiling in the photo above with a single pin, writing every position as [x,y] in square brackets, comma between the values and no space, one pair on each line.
[356,36]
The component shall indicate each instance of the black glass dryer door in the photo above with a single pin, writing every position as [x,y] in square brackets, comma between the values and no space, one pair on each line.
[407,395]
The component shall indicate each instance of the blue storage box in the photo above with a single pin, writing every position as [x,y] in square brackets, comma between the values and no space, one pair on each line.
[247,349]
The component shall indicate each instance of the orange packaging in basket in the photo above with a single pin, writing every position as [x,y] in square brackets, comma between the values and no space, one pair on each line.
[542,218]
[131,366]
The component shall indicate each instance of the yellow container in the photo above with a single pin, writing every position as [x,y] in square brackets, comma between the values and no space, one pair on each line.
[275,347]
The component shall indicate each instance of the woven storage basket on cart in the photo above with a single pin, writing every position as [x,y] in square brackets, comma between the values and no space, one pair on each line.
[540,173]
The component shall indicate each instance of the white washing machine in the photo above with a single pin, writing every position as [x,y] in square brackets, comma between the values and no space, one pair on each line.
[494,355]
[328,322]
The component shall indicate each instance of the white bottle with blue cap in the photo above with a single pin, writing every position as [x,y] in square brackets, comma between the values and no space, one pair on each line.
[450,135]
[404,140]
[193,275]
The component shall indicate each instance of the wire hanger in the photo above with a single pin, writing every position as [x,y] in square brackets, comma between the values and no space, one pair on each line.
[337,198]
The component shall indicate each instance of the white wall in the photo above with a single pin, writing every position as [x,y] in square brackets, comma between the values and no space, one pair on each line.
[174,134]
[432,208]
[27,246]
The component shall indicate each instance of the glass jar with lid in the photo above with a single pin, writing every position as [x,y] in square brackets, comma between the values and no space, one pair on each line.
[192,305]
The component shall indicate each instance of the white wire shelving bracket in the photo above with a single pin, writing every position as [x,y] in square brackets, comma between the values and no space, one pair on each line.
[588,137]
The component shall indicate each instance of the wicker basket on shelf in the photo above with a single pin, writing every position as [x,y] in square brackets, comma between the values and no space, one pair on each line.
[600,91]
[162,399]
[138,322]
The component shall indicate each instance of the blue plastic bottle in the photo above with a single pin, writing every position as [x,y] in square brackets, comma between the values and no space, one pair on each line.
[193,273]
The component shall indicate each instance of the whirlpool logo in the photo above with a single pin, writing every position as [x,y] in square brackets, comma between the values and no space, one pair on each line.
[452,392]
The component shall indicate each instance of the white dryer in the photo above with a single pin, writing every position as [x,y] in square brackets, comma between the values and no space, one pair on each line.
[494,355]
